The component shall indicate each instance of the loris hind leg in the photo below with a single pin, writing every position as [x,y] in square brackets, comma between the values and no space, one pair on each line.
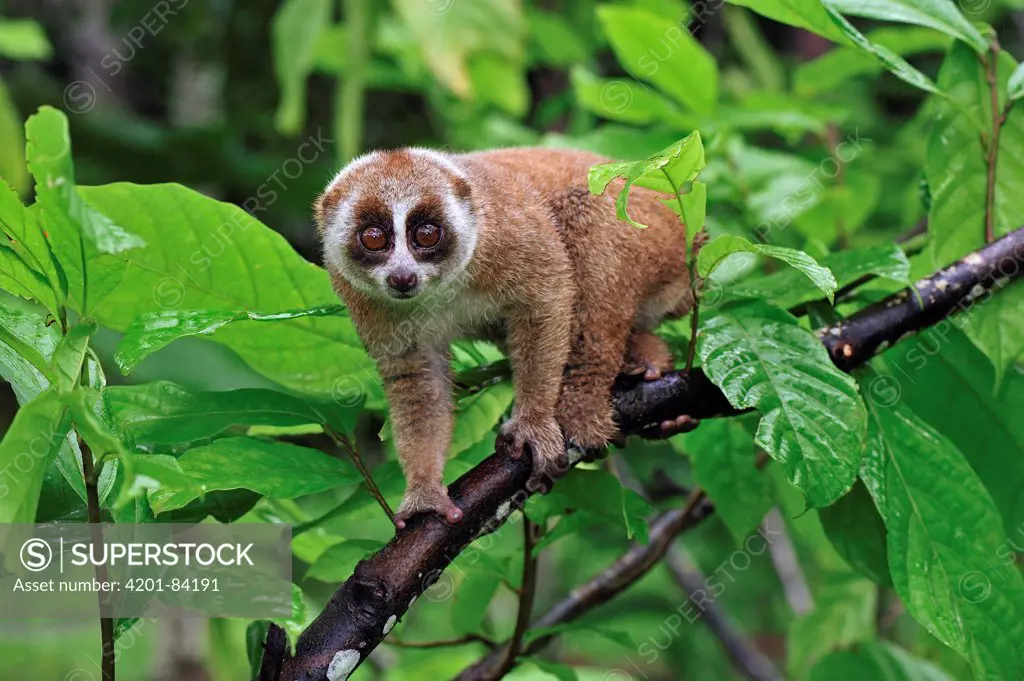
[647,354]
[585,407]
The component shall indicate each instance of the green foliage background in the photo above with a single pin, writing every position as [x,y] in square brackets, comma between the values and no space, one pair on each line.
[162,300]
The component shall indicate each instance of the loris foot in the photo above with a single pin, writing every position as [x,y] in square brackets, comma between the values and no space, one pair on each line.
[647,354]
[425,498]
[546,445]
[678,425]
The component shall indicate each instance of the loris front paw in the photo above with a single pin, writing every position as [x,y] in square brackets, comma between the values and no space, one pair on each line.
[425,498]
[546,445]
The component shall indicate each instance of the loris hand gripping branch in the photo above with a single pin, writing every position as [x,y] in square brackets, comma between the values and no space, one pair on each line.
[426,248]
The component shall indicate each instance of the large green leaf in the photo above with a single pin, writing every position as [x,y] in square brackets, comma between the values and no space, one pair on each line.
[942,15]
[296,26]
[163,413]
[273,469]
[687,72]
[68,358]
[890,59]
[238,265]
[711,255]
[813,420]
[337,562]
[880,661]
[789,287]
[808,14]
[35,436]
[667,171]
[843,616]
[944,537]
[478,414]
[834,68]
[27,268]
[988,428]
[77,231]
[957,177]
[722,454]
[153,331]
[858,534]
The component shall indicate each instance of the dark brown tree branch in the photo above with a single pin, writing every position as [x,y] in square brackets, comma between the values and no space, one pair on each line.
[385,584]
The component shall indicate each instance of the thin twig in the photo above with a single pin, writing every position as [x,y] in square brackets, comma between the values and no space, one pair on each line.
[745,657]
[92,498]
[998,119]
[526,596]
[342,441]
[787,566]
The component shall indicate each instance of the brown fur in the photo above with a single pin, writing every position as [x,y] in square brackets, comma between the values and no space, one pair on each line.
[576,291]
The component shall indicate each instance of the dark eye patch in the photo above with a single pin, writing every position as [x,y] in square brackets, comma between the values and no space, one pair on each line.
[370,212]
[430,211]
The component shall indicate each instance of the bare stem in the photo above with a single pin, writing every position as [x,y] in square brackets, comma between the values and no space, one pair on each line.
[92,498]
[526,595]
[992,157]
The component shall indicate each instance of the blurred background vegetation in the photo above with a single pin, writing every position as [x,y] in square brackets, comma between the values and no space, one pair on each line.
[259,102]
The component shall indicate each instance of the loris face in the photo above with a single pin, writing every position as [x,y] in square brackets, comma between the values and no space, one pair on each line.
[398,224]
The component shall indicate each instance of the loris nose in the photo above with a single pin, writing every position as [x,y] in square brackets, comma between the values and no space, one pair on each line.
[402,281]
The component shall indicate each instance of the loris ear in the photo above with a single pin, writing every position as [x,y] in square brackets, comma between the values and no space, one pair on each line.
[461,189]
[324,205]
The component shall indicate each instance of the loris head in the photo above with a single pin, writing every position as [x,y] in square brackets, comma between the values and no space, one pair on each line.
[398,224]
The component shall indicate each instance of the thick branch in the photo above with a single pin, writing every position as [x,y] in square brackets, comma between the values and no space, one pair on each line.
[385,584]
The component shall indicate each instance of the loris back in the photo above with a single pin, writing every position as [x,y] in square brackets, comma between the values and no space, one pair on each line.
[427,247]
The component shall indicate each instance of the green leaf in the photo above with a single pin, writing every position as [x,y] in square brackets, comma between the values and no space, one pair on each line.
[688,72]
[942,15]
[84,405]
[294,31]
[957,172]
[238,265]
[988,429]
[667,171]
[881,661]
[26,451]
[12,144]
[813,420]
[1015,86]
[789,287]
[337,563]
[277,470]
[153,331]
[833,69]
[944,539]
[27,268]
[164,413]
[147,473]
[77,231]
[473,595]
[66,366]
[722,454]
[695,207]
[891,60]
[562,672]
[843,616]
[478,414]
[623,100]
[858,534]
[600,493]
[807,14]
[711,255]
[23,39]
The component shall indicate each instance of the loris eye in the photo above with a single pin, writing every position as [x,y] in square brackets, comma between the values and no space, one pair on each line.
[426,235]
[373,239]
